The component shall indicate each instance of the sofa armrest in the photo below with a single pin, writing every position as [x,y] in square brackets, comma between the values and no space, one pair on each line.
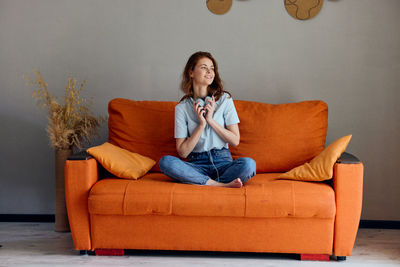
[83,155]
[347,158]
[348,174]
[80,176]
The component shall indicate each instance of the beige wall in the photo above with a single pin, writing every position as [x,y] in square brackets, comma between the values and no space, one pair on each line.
[348,56]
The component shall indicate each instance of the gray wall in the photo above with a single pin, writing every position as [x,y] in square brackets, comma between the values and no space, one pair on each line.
[348,56]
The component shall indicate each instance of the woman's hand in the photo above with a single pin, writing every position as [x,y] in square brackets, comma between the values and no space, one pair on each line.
[200,111]
[210,108]
[185,146]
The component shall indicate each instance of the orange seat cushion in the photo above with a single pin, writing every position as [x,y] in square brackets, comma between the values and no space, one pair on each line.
[281,137]
[262,197]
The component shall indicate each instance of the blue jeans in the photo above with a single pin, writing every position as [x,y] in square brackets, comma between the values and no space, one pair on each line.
[216,164]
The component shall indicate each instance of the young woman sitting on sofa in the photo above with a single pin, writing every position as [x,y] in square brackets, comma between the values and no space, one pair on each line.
[206,122]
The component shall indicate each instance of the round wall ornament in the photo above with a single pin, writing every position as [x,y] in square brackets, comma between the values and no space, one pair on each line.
[219,7]
[303,9]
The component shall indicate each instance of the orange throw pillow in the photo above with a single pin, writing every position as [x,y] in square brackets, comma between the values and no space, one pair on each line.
[121,162]
[319,168]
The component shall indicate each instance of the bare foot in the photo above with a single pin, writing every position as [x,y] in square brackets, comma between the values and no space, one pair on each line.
[237,183]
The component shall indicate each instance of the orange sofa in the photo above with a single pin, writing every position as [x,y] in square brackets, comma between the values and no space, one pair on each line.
[266,215]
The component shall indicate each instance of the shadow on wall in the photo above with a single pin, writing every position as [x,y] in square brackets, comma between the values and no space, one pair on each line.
[272,93]
[287,93]
[26,167]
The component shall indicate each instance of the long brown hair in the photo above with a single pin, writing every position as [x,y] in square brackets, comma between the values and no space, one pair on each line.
[216,88]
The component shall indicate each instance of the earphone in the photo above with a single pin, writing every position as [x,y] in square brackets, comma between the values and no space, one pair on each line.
[203,102]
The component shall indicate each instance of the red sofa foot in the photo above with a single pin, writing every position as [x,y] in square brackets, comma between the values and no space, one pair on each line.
[109,252]
[314,257]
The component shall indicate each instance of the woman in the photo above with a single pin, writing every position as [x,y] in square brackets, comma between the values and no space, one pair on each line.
[204,129]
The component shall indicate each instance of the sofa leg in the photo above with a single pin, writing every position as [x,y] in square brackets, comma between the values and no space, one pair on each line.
[314,257]
[87,252]
[340,258]
[109,252]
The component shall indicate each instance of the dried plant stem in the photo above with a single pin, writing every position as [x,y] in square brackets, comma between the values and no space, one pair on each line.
[70,123]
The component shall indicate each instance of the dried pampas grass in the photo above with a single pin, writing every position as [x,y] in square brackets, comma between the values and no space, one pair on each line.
[70,123]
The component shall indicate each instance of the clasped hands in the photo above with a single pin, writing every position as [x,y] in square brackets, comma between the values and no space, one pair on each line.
[205,114]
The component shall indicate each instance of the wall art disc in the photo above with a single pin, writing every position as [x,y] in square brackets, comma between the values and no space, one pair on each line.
[303,9]
[219,7]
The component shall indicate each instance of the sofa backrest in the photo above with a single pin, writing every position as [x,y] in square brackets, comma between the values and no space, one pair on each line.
[144,127]
[277,137]
[281,137]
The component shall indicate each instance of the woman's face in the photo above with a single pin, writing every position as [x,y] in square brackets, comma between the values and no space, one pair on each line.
[203,75]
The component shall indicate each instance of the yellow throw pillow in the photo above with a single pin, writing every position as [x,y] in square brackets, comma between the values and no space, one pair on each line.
[319,168]
[121,162]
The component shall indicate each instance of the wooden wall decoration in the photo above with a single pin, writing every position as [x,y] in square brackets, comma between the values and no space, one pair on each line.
[298,9]
[303,9]
[219,7]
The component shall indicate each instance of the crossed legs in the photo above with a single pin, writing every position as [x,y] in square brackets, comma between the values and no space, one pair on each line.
[233,173]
